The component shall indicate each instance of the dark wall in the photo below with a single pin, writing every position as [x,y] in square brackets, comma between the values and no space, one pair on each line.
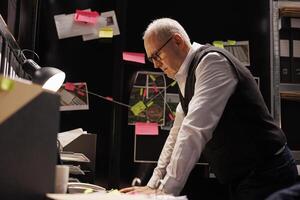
[3,9]
[99,63]
[91,62]
[209,21]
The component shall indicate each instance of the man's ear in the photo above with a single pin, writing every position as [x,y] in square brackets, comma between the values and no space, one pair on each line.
[178,39]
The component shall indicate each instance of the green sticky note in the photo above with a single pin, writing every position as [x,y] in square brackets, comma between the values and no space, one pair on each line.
[150,103]
[106,33]
[219,44]
[231,42]
[6,84]
[174,83]
[138,108]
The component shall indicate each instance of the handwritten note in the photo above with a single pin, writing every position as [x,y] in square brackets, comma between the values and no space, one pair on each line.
[142,128]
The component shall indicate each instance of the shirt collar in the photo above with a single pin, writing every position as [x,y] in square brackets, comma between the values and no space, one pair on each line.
[183,70]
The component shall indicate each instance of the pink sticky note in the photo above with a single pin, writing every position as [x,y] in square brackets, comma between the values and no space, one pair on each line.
[69,86]
[155,89]
[81,93]
[109,98]
[142,128]
[134,57]
[171,117]
[86,16]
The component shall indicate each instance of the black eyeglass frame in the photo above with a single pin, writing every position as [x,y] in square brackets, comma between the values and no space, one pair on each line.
[155,56]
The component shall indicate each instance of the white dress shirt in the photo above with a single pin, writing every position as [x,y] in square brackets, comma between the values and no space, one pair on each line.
[215,83]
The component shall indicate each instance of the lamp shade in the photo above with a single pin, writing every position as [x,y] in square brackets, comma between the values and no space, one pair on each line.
[49,77]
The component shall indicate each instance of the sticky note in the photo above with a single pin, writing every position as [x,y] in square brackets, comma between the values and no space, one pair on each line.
[155,89]
[87,191]
[142,128]
[152,77]
[86,16]
[81,93]
[6,84]
[134,57]
[69,86]
[141,92]
[171,116]
[173,83]
[106,33]
[138,108]
[109,98]
[231,42]
[219,44]
[150,104]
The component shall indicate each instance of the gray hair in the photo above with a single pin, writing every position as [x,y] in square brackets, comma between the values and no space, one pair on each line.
[163,28]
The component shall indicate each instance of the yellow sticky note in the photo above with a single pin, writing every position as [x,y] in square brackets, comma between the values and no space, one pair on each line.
[87,191]
[174,83]
[138,108]
[6,84]
[231,42]
[150,103]
[106,33]
[141,91]
[152,77]
[219,44]
[114,192]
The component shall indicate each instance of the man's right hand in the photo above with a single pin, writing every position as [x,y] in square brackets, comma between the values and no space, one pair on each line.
[141,190]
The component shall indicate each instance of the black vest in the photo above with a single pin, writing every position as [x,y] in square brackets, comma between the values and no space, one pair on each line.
[246,133]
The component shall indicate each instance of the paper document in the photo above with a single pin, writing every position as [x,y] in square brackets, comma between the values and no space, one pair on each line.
[105,20]
[75,157]
[112,196]
[68,136]
[67,27]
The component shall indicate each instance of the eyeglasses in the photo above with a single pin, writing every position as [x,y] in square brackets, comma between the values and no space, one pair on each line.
[155,56]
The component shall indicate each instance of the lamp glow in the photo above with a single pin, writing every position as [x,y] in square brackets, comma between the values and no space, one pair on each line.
[49,77]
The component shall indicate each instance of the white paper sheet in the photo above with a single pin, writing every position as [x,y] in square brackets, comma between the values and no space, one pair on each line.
[68,136]
[112,196]
[66,26]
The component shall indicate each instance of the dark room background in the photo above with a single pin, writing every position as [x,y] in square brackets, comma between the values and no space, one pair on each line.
[99,63]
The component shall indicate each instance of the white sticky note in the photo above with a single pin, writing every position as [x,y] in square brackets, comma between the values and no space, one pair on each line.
[295,22]
[284,48]
[296,48]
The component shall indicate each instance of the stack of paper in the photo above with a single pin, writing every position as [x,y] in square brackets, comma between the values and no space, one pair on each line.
[68,136]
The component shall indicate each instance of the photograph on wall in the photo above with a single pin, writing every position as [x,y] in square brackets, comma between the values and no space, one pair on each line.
[73,96]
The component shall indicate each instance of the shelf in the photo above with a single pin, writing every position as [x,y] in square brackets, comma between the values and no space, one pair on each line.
[290,91]
[289,87]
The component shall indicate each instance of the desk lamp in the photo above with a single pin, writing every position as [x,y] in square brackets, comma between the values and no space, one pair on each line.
[49,77]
